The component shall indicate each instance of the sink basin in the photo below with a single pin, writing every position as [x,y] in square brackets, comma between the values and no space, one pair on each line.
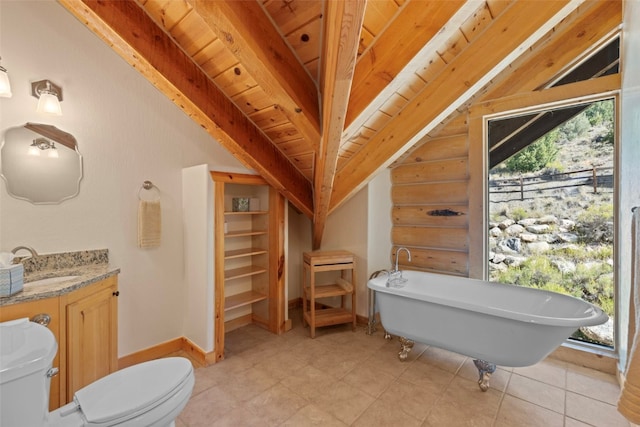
[49,281]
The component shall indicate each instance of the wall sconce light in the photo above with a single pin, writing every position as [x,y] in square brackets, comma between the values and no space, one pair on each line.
[41,144]
[5,86]
[49,96]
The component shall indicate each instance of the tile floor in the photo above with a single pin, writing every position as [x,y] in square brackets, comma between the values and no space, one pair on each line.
[346,378]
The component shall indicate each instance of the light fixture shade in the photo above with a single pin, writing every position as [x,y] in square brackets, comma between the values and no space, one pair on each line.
[53,152]
[5,85]
[33,150]
[49,96]
[48,104]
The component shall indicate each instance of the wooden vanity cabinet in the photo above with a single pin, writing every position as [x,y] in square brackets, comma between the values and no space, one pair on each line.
[85,325]
[91,334]
[51,307]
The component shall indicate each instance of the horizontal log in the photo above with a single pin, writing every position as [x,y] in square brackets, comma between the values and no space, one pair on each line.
[431,215]
[431,171]
[453,192]
[436,260]
[431,270]
[440,148]
[430,237]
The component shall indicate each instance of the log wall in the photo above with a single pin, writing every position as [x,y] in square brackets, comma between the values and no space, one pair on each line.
[431,206]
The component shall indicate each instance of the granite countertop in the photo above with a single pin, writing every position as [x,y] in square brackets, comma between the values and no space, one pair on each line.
[87,266]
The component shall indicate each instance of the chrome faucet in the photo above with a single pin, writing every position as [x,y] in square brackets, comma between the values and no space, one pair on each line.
[402,248]
[395,276]
[26,248]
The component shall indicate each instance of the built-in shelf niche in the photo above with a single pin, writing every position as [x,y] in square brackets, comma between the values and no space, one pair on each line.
[248,249]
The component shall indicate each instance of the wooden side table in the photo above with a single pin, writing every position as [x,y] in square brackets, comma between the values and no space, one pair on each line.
[321,261]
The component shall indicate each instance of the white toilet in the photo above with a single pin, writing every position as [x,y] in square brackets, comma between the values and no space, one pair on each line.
[148,394]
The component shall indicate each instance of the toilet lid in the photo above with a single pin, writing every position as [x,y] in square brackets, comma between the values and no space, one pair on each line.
[132,390]
[25,347]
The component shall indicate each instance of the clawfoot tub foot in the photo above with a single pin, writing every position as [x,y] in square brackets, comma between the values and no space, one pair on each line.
[485,369]
[405,347]
[387,336]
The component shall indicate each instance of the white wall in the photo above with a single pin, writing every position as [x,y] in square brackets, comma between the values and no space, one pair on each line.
[629,160]
[346,229]
[199,268]
[127,132]
[379,226]
[299,235]
[362,225]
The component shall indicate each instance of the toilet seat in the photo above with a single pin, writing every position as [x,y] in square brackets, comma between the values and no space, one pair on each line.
[150,394]
[130,393]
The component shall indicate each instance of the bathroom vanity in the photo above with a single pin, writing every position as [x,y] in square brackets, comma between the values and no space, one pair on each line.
[82,312]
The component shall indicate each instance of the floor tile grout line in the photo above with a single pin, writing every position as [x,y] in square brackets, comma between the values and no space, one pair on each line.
[444,391]
[504,393]
[460,371]
[396,379]
[540,381]
[589,397]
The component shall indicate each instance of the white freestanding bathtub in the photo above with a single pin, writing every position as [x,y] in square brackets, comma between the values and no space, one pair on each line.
[498,324]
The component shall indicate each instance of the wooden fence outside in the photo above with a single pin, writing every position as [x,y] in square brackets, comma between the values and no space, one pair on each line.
[597,177]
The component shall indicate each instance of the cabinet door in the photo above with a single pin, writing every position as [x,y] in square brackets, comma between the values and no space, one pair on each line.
[91,323]
[29,309]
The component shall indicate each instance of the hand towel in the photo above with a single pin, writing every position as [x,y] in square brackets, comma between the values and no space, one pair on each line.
[149,224]
[629,402]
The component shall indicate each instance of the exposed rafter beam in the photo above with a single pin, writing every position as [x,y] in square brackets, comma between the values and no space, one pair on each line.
[518,27]
[406,36]
[342,24]
[584,31]
[246,30]
[129,31]
[380,93]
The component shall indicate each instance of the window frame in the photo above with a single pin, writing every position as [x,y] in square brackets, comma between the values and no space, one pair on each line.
[607,87]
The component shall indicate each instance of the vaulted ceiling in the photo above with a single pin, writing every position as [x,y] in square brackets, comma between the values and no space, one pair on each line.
[317,96]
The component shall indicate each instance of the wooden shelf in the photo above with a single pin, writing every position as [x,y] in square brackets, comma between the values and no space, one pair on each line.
[243,233]
[242,299]
[239,253]
[323,261]
[323,291]
[330,316]
[248,250]
[237,273]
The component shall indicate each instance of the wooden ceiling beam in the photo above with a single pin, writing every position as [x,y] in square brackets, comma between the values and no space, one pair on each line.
[341,37]
[416,24]
[511,34]
[129,31]
[581,33]
[420,70]
[246,30]
[586,28]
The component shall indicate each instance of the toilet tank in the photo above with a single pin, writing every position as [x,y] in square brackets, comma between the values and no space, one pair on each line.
[27,350]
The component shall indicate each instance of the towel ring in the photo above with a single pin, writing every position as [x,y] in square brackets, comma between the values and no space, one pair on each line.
[148,185]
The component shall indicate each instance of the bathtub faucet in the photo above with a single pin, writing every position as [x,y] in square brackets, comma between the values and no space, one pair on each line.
[402,248]
[395,276]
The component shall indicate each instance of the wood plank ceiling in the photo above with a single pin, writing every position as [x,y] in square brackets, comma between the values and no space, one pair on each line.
[318,96]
